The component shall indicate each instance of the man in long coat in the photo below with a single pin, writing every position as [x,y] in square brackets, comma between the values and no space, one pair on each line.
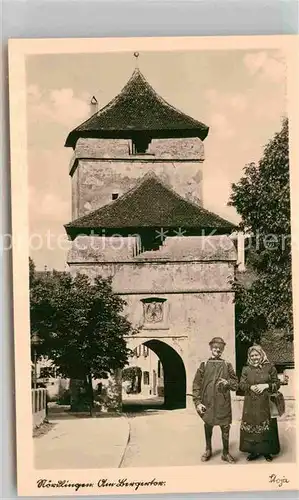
[212,384]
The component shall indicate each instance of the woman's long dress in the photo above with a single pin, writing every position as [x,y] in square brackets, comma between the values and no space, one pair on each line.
[259,432]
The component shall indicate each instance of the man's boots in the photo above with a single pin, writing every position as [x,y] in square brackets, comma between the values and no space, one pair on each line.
[225,441]
[208,434]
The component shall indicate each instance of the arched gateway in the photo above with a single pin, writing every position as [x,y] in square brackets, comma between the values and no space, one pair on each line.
[172,367]
[174,374]
[137,215]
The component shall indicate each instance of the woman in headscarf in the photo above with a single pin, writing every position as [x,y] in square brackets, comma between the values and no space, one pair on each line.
[259,432]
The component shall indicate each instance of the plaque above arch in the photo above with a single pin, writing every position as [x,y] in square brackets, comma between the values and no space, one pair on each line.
[155,313]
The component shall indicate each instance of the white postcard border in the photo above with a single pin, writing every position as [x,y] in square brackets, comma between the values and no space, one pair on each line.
[177,479]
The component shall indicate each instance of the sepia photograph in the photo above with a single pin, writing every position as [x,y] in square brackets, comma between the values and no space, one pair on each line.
[154,310]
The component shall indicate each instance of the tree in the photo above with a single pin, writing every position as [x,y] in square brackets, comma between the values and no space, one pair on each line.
[81,324]
[262,198]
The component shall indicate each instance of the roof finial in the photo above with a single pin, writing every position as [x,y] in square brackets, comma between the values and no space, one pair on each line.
[136,55]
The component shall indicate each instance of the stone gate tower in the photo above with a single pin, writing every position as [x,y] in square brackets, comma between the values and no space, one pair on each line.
[137,216]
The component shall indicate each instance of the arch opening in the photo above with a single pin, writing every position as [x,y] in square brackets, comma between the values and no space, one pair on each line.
[165,377]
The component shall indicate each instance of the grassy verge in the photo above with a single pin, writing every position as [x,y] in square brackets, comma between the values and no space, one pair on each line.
[43,429]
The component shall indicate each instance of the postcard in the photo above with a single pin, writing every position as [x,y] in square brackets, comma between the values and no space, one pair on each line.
[155,264]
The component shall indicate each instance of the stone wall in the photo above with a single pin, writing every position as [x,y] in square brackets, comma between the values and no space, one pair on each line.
[199,301]
[95,181]
[102,167]
[99,249]
[289,390]
[157,277]
[184,149]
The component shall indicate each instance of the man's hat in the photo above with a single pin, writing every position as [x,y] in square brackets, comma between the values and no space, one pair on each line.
[217,340]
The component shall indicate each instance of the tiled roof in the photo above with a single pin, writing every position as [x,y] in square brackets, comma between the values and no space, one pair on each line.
[138,108]
[151,204]
[279,350]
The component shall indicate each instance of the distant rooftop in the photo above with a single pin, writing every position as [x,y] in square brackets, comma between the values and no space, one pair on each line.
[138,109]
[279,350]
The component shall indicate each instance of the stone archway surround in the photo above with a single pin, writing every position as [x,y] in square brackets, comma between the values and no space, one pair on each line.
[174,368]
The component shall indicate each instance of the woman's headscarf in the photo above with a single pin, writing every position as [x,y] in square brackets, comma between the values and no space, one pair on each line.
[261,352]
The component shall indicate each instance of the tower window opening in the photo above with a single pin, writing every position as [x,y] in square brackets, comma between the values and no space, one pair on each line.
[150,241]
[140,145]
[114,196]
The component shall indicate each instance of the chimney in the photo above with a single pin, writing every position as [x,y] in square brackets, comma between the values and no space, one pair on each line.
[94,105]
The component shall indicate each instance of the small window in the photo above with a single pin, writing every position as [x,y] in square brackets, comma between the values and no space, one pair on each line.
[137,351]
[146,378]
[140,144]
[114,196]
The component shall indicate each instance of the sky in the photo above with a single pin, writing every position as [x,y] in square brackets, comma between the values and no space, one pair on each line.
[239,94]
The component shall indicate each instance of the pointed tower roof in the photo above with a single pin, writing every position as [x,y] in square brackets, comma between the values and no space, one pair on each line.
[150,204]
[138,108]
